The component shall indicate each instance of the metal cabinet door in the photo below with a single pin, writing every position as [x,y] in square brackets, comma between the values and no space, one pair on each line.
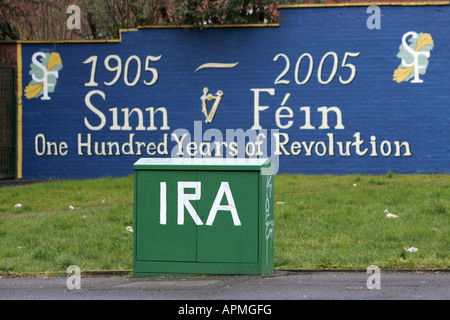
[222,238]
[169,241]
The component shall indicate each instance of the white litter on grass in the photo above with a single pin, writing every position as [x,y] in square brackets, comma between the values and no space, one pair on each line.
[71,207]
[17,205]
[412,249]
[390,215]
[281,202]
[129,229]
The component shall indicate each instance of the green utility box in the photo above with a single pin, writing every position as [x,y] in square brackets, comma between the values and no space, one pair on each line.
[197,215]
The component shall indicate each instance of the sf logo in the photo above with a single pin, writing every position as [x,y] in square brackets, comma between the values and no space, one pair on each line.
[44,73]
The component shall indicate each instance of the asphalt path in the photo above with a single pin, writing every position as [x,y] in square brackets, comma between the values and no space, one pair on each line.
[280,285]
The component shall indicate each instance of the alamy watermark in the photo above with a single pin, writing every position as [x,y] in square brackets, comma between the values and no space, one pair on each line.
[374,280]
[74,279]
[236,143]
[374,21]
[74,21]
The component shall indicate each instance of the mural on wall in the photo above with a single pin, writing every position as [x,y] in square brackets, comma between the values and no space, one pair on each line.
[417,53]
[43,74]
[317,98]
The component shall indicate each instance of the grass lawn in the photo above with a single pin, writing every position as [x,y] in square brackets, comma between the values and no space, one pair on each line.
[320,222]
[339,221]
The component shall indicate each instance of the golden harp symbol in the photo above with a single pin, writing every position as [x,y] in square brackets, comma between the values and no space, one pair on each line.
[210,116]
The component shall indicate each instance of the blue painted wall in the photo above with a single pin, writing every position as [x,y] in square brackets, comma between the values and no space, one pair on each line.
[372,124]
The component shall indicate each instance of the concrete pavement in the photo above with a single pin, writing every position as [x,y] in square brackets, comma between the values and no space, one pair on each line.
[281,285]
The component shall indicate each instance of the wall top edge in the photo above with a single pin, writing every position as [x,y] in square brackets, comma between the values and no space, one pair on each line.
[365,4]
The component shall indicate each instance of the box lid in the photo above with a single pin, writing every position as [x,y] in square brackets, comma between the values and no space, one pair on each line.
[224,164]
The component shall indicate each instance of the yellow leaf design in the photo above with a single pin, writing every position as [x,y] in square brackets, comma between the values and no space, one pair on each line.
[53,61]
[402,73]
[424,40]
[33,90]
